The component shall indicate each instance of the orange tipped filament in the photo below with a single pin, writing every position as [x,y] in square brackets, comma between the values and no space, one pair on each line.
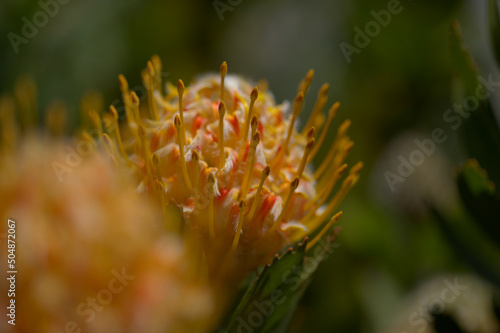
[265,174]
[178,127]
[196,159]
[223,72]
[323,231]
[222,112]
[331,115]
[180,91]
[296,110]
[310,133]
[322,195]
[333,150]
[145,152]
[210,184]
[160,186]
[135,107]
[96,121]
[242,206]
[306,82]
[253,98]
[303,162]
[156,163]
[114,115]
[250,165]
[148,78]
[319,105]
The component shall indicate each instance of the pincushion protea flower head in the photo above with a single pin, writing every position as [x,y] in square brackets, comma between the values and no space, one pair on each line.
[231,160]
[89,254]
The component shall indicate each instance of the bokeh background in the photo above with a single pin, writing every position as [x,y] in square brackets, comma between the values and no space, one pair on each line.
[395,90]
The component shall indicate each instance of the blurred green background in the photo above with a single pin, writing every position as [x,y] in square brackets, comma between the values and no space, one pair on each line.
[395,90]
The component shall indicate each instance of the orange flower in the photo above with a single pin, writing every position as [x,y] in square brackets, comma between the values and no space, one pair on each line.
[88,253]
[230,159]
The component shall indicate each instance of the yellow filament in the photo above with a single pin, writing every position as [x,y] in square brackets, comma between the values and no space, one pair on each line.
[310,134]
[306,82]
[344,151]
[26,96]
[318,106]
[180,91]
[145,152]
[126,98]
[157,65]
[242,207]
[110,147]
[163,201]
[8,124]
[247,178]
[114,115]
[356,169]
[56,116]
[96,121]
[223,72]
[331,153]
[293,186]
[296,110]
[256,199]
[323,231]
[196,159]
[135,107]
[323,194]
[150,87]
[156,163]
[91,100]
[87,137]
[254,124]
[347,184]
[331,115]
[222,112]
[253,98]
[178,127]
[303,162]
[211,226]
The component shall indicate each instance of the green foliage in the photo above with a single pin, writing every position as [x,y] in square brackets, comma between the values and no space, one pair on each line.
[480,197]
[270,302]
[495,28]
[477,240]
[479,131]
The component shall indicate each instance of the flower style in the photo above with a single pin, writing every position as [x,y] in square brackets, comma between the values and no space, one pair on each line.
[230,159]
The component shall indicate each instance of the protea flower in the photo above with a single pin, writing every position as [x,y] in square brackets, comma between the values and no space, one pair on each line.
[232,162]
[91,254]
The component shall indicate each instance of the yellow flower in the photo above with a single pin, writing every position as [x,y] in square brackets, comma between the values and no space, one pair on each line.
[230,159]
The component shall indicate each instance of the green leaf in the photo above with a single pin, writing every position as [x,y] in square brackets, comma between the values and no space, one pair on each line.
[478,129]
[494,17]
[479,196]
[471,245]
[270,302]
